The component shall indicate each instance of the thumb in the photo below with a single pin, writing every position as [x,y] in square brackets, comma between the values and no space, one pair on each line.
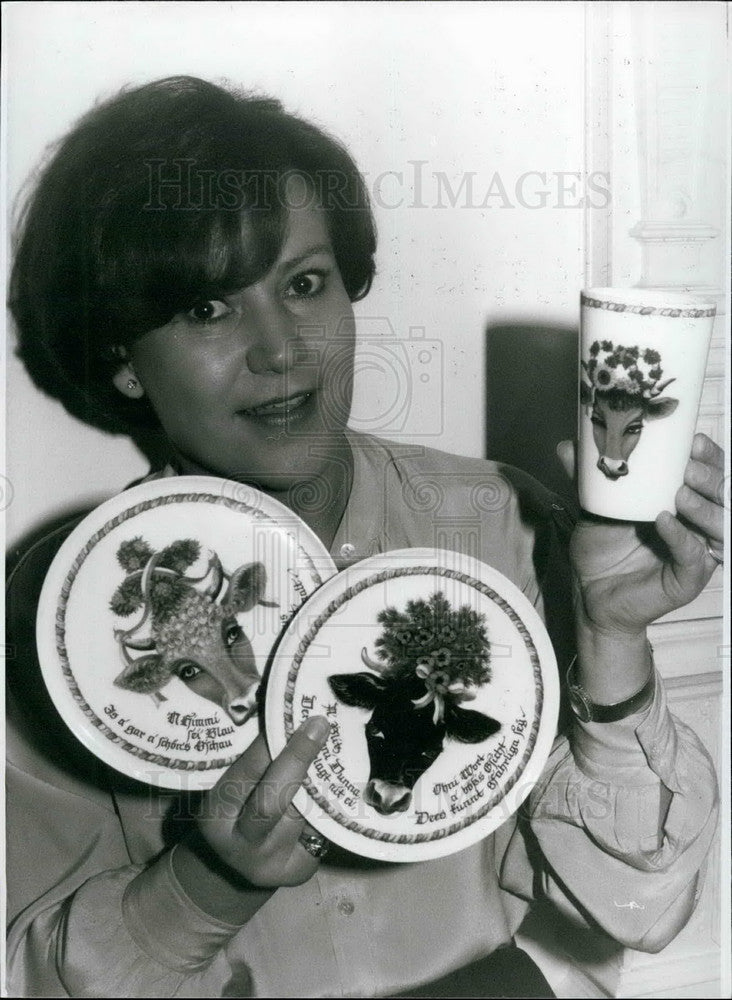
[566,455]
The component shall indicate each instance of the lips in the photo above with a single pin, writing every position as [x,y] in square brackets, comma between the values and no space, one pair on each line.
[281,409]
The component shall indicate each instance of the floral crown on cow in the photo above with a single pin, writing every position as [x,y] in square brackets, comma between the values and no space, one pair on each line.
[434,635]
[448,650]
[632,370]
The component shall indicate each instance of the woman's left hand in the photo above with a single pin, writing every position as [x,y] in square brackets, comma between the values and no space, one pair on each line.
[629,575]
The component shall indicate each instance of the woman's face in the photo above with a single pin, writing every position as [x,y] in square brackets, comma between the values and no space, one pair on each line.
[257,385]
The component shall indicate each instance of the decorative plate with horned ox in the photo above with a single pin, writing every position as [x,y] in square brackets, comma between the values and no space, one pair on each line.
[158,617]
[439,681]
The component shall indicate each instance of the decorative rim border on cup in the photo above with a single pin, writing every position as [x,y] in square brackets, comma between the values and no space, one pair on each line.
[703,310]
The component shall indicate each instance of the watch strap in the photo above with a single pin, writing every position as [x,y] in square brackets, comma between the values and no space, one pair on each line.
[587,710]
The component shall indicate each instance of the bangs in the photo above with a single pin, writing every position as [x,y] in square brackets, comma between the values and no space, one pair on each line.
[167,261]
[164,195]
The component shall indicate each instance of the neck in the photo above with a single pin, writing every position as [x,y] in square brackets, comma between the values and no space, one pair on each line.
[319,501]
[322,501]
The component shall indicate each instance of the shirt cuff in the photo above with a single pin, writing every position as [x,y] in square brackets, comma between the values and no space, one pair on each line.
[166,924]
[646,739]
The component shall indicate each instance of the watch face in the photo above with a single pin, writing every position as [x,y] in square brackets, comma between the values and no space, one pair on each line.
[439,682]
[580,704]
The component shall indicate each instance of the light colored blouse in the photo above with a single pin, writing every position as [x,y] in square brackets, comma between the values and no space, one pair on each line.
[97,911]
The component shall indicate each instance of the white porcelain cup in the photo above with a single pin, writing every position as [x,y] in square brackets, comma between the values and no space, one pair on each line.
[642,360]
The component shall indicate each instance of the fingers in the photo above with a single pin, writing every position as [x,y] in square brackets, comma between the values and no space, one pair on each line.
[566,455]
[705,478]
[685,547]
[691,565]
[700,500]
[703,449]
[227,797]
[704,515]
[269,801]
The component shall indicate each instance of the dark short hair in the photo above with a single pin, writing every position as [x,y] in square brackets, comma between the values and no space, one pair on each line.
[138,215]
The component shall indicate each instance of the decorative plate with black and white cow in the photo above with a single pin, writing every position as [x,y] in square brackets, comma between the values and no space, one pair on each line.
[158,616]
[440,684]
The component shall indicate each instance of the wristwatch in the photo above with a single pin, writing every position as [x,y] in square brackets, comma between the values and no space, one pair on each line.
[587,710]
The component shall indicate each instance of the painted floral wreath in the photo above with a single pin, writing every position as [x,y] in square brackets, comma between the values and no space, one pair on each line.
[632,370]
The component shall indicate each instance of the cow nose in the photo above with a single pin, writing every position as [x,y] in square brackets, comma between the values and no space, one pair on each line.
[243,707]
[386,797]
[612,468]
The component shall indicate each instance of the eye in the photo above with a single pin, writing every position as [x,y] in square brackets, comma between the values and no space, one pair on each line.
[634,429]
[187,670]
[597,421]
[232,632]
[374,731]
[306,285]
[208,311]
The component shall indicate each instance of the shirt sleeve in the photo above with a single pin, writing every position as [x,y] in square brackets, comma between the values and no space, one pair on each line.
[83,919]
[620,824]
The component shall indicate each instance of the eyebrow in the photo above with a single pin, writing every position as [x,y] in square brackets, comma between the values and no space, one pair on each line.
[310,252]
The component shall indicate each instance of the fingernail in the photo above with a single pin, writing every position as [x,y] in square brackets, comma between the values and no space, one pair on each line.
[316,728]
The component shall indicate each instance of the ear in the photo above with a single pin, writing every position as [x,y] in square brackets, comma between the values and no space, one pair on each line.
[660,407]
[246,588]
[467,726]
[124,379]
[585,393]
[144,675]
[361,690]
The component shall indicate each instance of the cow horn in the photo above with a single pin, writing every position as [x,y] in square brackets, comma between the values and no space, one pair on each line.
[209,583]
[123,636]
[372,664]
[657,389]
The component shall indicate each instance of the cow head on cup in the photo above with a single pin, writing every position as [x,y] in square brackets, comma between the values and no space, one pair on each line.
[621,391]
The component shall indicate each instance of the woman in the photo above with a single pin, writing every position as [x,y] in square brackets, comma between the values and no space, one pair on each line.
[188,261]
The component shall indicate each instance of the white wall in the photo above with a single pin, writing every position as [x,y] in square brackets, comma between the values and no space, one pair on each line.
[468,88]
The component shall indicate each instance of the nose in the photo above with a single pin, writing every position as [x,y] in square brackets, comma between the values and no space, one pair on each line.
[243,706]
[386,797]
[271,333]
[613,468]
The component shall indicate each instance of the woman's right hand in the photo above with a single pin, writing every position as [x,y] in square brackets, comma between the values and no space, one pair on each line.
[248,822]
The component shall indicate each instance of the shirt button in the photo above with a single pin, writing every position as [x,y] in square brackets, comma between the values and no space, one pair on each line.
[346,907]
[347,550]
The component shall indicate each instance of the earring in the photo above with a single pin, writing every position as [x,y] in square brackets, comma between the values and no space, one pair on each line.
[126,381]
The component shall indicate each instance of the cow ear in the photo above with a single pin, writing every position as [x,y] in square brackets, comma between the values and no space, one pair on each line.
[361,690]
[663,407]
[144,675]
[246,588]
[585,393]
[467,726]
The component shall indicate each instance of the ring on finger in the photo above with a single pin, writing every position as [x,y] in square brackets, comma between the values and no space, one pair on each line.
[715,555]
[314,844]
